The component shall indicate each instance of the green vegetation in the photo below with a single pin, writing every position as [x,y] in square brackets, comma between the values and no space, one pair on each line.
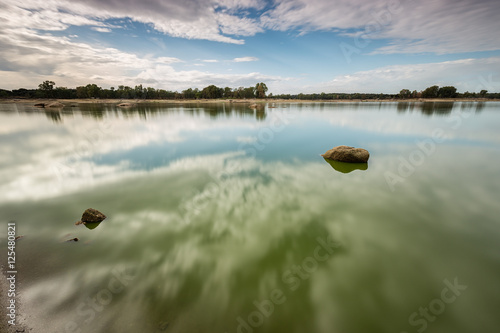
[430,92]
[47,89]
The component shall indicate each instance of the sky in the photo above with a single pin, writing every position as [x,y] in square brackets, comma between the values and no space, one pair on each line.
[294,46]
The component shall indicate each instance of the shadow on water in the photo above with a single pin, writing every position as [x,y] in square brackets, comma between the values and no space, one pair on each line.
[344,167]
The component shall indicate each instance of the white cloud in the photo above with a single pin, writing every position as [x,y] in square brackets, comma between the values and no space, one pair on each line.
[28,57]
[101,29]
[246,139]
[234,25]
[239,4]
[245,59]
[443,26]
[193,19]
[29,53]
[172,79]
[465,74]
[168,60]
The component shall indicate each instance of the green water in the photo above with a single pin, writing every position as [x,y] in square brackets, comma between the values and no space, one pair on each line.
[222,218]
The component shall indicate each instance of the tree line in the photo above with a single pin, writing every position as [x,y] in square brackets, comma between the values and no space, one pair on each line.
[430,92]
[47,89]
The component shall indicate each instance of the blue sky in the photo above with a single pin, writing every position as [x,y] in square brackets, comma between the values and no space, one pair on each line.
[378,46]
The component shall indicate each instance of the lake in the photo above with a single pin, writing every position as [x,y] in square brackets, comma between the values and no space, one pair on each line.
[223,218]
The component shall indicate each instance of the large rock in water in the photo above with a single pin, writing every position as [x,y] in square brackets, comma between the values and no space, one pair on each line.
[92,215]
[347,154]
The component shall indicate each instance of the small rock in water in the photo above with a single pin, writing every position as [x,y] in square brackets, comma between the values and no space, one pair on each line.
[347,154]
[125,105]
[91,215]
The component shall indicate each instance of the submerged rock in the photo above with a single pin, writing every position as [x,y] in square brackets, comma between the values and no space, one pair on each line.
[91,215]
[347,154]
[55,105]
[125,105]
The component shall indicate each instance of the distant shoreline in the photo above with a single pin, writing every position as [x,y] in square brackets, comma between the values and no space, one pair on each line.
[237,101]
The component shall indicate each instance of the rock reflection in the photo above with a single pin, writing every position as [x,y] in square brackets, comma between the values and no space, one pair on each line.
[92,225]
[344,167]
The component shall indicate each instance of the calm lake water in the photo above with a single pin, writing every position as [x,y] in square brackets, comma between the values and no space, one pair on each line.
[222,218]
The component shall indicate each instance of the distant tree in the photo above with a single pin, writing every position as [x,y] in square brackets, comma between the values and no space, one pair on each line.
[260,90]
[212,92]
[188,94]
[483,93]
[150,93]
[46,85]
[93,90]
[138,91]
[238,92]
[25,93]
[430,92]
[405,93]
[46,89]
[249,92]
[228,92]
[124,92]
[81,92]
[5,93]
[447,92]
[63,92]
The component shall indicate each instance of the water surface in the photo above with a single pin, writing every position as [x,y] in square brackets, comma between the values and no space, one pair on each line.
[223,218]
